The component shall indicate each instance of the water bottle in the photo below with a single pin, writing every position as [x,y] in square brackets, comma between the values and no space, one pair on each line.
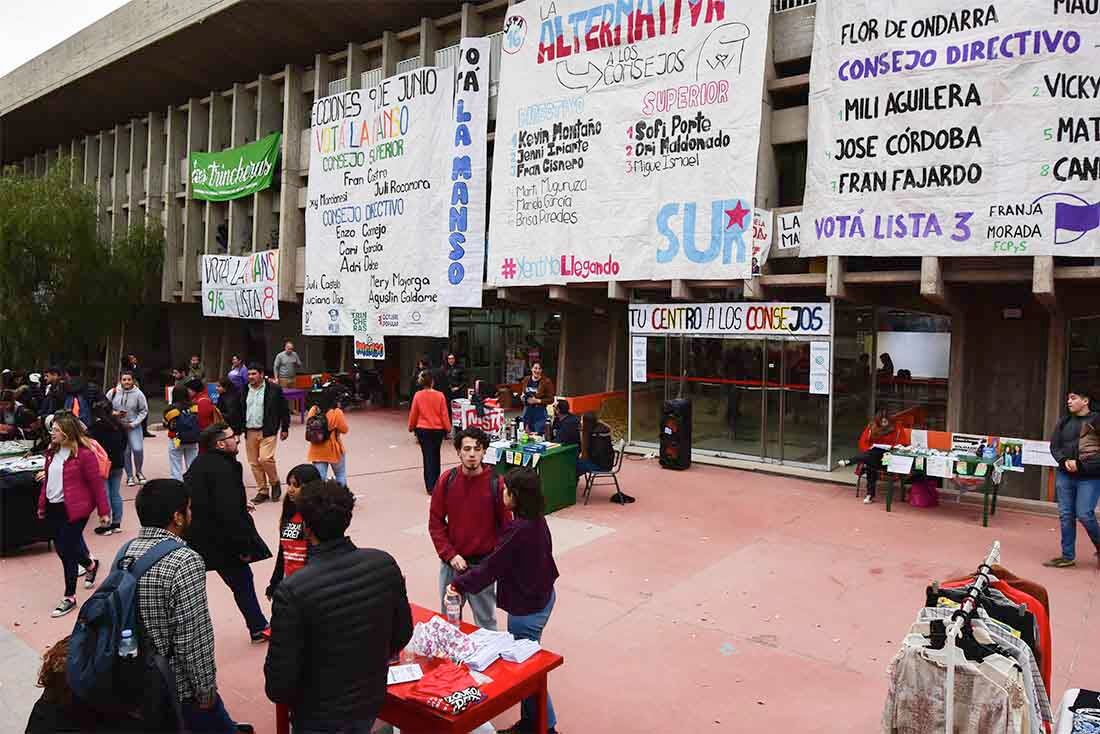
[127,646]
[453,607]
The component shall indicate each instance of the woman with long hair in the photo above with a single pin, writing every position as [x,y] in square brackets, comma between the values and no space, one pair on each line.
[230,404]
[522,565]
[293,545]
[109,432]
[429,420]
[328,451]
[72,488]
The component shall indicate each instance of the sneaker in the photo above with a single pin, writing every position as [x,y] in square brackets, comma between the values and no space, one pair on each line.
[844,462]
[260,498]
[141,478]
[131,483]
[80,571]
[868,499]
[1060,562]
[114,528]
[523,726]
[89,577]
[262,636]
[102,530]
[244,726]
[63,607]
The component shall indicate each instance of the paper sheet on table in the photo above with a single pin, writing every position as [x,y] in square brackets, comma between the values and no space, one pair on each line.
[404,674]
[1037,453]
[899,464]
[938,466]
[918,438]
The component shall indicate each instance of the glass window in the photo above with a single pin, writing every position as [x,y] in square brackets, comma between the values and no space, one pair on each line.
[913,353]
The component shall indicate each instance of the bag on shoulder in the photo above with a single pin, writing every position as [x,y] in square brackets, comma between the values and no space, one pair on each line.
[141,684]
[185,424]
[317,428]
[101,457]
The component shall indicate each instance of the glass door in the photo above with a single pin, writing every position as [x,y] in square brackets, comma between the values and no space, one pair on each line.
[805,429]
[744,384]
[773,401]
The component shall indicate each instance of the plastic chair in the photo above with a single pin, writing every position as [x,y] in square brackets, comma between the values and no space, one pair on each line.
[591,478]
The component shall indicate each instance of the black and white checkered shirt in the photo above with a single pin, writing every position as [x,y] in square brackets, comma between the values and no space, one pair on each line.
[175,615]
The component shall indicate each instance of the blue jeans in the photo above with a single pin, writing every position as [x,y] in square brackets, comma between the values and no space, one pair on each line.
[179,459]
[333,727]
[339,469]
[134,454]
[216,720]
[1077,498]
[240,582]
[534,419]
[114,495]
[529,627]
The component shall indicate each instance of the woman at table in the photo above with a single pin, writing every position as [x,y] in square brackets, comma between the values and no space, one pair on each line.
[883,432]
[238,372]
[72,488]
[536,391]
[430,422]
[522,565]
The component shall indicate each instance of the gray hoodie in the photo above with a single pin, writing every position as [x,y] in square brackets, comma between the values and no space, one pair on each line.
[133,402]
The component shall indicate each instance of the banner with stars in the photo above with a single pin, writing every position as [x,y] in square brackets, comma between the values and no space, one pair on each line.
[627,140]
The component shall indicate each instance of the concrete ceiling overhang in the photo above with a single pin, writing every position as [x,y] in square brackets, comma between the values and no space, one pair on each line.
[234,42]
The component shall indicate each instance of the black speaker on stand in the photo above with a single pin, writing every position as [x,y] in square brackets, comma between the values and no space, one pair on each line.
[675,438]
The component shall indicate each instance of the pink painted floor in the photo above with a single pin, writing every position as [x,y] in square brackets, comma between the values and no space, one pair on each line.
[722,600]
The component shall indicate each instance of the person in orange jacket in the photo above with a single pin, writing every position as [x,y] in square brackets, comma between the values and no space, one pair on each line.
[883,431]
[430,421]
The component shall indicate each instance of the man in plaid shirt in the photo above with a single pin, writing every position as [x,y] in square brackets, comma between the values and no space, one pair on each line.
[173,609]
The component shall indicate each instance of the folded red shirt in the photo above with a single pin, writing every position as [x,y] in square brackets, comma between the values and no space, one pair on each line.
[449,688]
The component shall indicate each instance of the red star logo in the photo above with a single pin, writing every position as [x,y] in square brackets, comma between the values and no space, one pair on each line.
[736,214]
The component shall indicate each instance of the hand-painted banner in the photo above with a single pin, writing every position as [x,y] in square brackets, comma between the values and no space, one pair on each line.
[396,176]
[627,139]
[369,347]
[241,287]
[937,129]
[763,319]
[763,226]
[788,230]
[236,172]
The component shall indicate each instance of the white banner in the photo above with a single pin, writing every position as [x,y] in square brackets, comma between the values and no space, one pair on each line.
[764,319]
[820,365]
[937,129]
[789,230]
[762,234]
[396,178]
[627,140]
[241,287]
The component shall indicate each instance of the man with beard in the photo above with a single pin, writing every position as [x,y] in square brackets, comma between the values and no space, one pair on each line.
[223,532]
[172,605]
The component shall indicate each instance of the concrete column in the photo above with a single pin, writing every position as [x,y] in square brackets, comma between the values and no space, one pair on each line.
[616,319]
[1055,393]
[562,381]
[156,155]
[269,119]
[391,53]
[956,374]
[292,220]
[243,130]
[357,64]
[471,25]
[139,158]
[103,189]
[194,234]
[217,212]
[120,167]
[91,159]
[176,148]
[76,160]
[429,41]
[322,75]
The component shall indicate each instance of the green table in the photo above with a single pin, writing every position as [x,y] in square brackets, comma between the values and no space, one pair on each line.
[558,469]
[989,486]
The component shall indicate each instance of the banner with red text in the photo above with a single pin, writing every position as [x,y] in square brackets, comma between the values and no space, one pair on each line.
[948,128]
[627,140]
[755,319]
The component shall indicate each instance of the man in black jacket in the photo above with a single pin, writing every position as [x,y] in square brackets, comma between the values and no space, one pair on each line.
[335,623]
[222,530]
[265,414]
[1077,482]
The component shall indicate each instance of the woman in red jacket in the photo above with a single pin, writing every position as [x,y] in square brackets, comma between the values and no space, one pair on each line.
[883,432]
[430,421]
[72,488]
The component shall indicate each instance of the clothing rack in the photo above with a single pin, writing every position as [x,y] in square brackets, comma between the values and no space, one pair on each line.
[960,618]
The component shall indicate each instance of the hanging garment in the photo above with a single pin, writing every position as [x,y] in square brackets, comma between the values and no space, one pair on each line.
[999,608]
[1030,587]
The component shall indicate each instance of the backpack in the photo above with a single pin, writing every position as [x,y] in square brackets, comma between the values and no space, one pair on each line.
[600,449]
[186,426]
[317,430]
[102,457]
[112,684]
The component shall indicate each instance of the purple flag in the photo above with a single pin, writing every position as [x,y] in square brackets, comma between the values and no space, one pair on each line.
[1077,218]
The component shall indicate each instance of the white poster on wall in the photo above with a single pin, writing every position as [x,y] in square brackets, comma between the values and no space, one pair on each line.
[788,230]
[241,287]
[627,140]
[938,128]
[396,184]
[762,234]
[639,348]
[763,319]
[819,368]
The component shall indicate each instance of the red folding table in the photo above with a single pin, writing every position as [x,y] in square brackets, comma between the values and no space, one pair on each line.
[512,682]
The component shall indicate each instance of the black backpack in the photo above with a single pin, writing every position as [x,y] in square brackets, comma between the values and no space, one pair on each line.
[186,426]
[317,430]
[600,449]
[123,686]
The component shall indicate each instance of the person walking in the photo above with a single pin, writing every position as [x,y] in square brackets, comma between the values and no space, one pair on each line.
[335,623]
[466,516]
[230,405]
[266,414]
[238,372]
[293,547]
[182,420]
[1077,482]
[522,565]
[109,432]
[173,608]
[537,391]
[287,364]
[325,424]
[130,364]
[132,408]
[429,421]
[72,488]
[222,529]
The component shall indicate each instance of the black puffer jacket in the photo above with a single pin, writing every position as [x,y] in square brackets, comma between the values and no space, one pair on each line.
[334,626]
[222,529]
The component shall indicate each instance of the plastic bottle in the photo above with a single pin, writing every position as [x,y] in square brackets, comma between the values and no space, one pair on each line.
[127,646]
[453,606]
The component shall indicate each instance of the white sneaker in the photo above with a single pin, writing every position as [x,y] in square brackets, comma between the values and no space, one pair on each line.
[131,483]
[868,499]
[843,462]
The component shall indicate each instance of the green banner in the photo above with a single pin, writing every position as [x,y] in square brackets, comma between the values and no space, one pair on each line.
[236,172]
